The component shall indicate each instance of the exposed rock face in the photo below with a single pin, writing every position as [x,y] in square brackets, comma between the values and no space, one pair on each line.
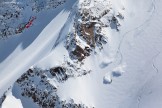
[57,70]
[2,99]
[88,29]
[13,19]
[36,85]
[39,5]
[80,53]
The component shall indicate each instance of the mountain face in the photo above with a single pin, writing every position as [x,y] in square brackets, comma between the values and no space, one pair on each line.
[80,54]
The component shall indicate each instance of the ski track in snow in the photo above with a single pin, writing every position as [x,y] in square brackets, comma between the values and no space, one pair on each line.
[148,82]
[154,58]
[134,29]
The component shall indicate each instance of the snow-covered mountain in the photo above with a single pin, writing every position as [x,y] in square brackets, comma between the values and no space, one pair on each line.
[80,54]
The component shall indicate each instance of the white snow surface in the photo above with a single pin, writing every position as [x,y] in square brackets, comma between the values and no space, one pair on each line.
[131,59]
[138,47]
[11,102]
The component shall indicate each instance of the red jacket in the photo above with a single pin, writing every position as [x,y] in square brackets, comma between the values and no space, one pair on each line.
[30,22]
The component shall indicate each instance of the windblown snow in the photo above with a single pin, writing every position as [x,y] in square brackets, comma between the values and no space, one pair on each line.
[80,54]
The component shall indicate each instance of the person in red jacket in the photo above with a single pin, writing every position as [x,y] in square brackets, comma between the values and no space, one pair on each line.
[30,22]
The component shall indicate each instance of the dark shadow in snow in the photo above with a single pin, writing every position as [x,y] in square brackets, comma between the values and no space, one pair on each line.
[26,102]
[116,73]
[28,36]
[104,64]
[106,82]
[113,25]
[65,30]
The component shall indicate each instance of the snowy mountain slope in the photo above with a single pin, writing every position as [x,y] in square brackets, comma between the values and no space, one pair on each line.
[116,66]
[35,50]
